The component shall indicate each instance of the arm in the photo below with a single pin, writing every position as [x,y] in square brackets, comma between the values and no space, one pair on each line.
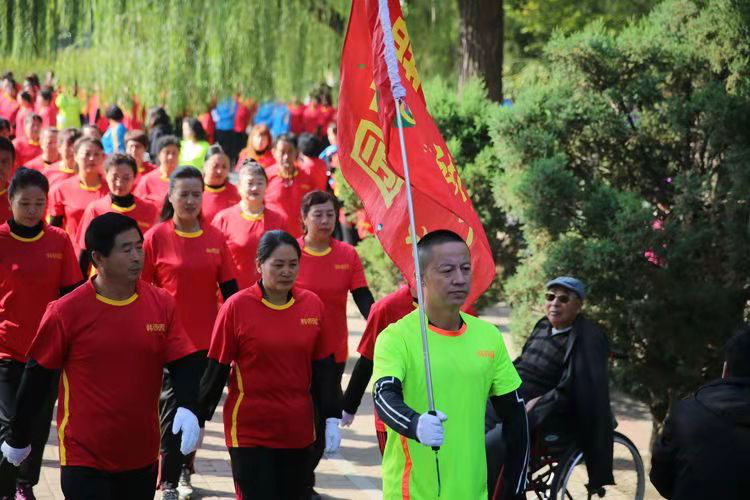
[36,384]
[364,300]
[324,387]
[357,384]
[186,375]
[211,387]
[388,396]
[510,409]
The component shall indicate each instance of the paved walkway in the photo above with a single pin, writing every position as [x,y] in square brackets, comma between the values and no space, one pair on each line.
[354,472]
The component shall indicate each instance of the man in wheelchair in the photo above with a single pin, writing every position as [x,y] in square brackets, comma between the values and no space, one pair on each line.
[563,368]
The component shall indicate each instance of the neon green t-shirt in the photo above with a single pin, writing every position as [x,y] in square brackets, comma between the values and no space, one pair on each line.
[69,111]
[193,153]
[468,367]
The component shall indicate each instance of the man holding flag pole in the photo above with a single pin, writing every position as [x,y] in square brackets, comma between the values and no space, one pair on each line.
[469,361]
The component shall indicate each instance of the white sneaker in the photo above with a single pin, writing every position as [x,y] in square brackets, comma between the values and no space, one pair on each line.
[170,494]
[184,488]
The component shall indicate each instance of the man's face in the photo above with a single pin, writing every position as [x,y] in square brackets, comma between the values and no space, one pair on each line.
[285,155]
[49,144]
[562,306]
[125,261]
[136,150]
[168,158]
[447,276]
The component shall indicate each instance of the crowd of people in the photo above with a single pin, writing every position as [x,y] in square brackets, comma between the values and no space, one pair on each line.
[144,272]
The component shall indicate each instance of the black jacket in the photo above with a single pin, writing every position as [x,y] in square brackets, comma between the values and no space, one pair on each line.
[704,449]
[583,394]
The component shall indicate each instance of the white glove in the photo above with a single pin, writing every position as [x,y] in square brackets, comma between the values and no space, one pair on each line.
[430,428]
[186,422]
[346,419]
[15,455]
[333,435]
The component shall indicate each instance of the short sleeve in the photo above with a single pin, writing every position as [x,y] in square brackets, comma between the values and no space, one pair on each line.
[325,344]
[141,189]
[358,279]
[390,355]
[505,377]
[71,271]
[226,271]
[223,345]
[49,345]
[219,223]
[56,203]
[177,343]
[375,324]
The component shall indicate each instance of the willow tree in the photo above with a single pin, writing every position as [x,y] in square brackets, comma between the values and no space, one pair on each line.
[179,53]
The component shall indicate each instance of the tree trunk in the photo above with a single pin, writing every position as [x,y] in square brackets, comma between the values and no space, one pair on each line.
[481,49]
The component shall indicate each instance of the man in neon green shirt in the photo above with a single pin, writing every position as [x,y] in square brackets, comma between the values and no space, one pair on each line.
[469,364]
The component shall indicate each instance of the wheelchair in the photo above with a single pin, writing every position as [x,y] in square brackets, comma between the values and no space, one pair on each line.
[557,469]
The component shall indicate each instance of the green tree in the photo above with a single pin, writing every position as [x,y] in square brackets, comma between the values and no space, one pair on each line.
[626,161]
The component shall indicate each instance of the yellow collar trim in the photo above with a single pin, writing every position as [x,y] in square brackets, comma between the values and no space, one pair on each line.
[215,190]
[322,253]
[164,178]
[89,188]
[118,303]
[33,143]
[251,217]
[185,234]
[120,209]
[66,170]
[286,176]
[27,240]
[278,308]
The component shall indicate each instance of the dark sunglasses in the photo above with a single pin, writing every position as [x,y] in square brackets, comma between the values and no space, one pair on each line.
[550,297]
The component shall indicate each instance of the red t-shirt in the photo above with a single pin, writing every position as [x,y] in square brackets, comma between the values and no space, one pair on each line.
[153,187]
[311,119]
[69,199]
[49,116]
[145,168]
[145,214]
[8,108]
[317,170]
[5,212]
[331,275]
[25,150]
[296,119]
[285,196]
[265,160]
[40,165]
[217,199]
[112,355]
[243,232]
[32,272]
[327,115]
[271,349]
[241,117]
[57,173]
[23,111]
[190,266]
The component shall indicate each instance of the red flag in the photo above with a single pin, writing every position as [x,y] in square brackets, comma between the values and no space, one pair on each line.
[375,171]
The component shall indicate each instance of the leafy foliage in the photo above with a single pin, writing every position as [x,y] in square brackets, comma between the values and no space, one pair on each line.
[626,161]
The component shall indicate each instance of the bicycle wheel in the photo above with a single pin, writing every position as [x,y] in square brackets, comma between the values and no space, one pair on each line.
[630,476]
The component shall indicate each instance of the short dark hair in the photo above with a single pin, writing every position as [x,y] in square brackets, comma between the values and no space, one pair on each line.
[138,136]
[102,231]
[114,113]
[46,93]
[82,141]
[25,96]
[253,168]
[271,240]
[289,138]
[121,159]
[430,240]
[166,140]
[31,117]
[7,145]
[317,197]
[69,136]
[26,177]
[309,145]
[196,127]
[213,150]
[181,172]
[737,353]
[4,124]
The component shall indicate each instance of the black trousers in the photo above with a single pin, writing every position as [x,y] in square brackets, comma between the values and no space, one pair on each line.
[269,473]
[28,473]
[86,483]
[172,460]
[318,447]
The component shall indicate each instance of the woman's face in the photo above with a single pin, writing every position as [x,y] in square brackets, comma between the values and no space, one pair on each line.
[253,187]
[89,159]
[28,205]
[120,179]
[321,219]
[168,157]
[186,197]
[260,141]
[216,170]
[279,270]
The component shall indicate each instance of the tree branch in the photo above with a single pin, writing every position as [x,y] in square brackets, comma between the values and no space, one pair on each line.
[327,15]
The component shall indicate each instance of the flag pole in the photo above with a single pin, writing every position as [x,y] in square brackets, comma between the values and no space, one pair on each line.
[399,96]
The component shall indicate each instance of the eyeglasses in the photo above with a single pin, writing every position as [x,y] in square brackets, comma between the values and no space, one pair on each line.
[563,298]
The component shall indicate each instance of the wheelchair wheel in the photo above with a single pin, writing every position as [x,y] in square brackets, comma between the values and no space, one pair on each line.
[630,477]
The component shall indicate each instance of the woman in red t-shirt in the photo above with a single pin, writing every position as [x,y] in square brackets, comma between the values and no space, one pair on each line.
[276,341]
[37,265]
[331,269]
[219,193]
[189,259]
[258,148]
[245,223]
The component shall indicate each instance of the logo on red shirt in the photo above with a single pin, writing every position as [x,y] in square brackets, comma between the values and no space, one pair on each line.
[309,321]
[212,250]
[156,327]
[341,267]
[54,255]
